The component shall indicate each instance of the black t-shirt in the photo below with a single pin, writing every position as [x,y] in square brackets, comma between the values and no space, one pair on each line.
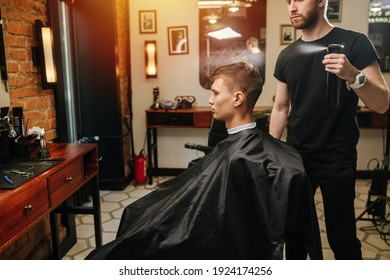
[326,136]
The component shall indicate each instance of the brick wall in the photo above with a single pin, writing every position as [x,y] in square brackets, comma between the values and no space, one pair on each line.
[23,77]
[124,83]
[25,91]
[38,105]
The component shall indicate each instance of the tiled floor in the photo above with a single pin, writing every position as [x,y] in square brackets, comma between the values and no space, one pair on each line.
[113,203]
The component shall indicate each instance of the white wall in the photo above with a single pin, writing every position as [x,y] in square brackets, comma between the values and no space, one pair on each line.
[179,74]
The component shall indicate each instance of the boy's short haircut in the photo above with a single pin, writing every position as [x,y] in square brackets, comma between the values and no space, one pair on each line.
[241,76]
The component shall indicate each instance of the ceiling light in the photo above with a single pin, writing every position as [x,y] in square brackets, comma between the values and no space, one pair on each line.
[376,7]
[225,33]
[212,4]
[212,19]
[233,9]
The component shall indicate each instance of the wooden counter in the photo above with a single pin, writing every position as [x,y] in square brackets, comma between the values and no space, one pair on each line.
[23,207]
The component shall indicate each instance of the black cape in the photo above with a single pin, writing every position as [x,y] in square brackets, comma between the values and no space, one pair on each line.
[243,200]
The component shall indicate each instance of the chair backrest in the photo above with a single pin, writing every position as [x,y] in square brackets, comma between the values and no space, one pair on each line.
[262,119]
[218,131]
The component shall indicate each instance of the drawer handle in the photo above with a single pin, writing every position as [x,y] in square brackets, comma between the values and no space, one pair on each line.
[68,179]
[27,209]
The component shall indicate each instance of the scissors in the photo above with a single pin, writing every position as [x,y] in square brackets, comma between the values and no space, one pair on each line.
[23,173]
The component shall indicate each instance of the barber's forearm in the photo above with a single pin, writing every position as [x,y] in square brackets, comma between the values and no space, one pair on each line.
[276,132]
[277,123]
[375,92]
[374,96]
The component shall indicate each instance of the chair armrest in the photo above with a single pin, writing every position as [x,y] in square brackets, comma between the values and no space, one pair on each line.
[202,148]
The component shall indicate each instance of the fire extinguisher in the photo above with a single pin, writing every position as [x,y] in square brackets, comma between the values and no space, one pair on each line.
[140,168]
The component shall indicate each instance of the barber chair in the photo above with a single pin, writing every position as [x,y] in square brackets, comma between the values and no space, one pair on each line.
[262,119]
[218,132]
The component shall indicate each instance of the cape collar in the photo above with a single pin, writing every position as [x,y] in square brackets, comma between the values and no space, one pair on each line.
[242,127]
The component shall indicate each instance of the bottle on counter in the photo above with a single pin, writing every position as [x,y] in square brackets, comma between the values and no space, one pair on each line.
[18,121]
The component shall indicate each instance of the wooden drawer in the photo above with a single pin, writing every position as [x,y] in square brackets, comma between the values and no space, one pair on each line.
[22,210]
[65,182]
[170,119]
[203,119]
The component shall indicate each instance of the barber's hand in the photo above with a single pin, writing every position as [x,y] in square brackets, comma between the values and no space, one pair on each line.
[339,64]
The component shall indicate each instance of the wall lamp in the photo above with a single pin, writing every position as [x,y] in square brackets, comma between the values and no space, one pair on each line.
[43,56]
[151,59]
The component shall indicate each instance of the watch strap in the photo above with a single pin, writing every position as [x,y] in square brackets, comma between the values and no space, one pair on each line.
[360,80]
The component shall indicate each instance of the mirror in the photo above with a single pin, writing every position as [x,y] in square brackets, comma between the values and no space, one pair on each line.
[379,30]
[4,92]
[231,31]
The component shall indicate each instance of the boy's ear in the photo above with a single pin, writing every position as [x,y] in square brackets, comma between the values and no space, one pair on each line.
[239,98]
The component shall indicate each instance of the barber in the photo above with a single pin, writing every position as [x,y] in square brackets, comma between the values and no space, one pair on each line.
[326,135]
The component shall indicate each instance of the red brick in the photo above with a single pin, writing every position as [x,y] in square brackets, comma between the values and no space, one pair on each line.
[23,4]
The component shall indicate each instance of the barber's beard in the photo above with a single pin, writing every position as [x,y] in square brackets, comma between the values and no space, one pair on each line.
[306,21]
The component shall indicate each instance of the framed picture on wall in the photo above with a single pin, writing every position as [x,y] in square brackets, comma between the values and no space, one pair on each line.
[147,22]
[334,10]
[287,34]
[178,40]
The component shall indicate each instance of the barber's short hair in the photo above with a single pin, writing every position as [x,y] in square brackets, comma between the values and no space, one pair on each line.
[241,76]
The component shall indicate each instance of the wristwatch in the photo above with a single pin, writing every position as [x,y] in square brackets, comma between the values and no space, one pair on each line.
[360,80]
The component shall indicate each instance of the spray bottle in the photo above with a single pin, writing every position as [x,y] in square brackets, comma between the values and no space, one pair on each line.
[43,150]
[333,83]
[156,94]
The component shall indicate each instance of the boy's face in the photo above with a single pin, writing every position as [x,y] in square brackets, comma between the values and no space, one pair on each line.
[221,101]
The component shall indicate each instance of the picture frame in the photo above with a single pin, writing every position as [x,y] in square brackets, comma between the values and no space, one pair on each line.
[334,10]
[287,34]
[178,40]
[147,22]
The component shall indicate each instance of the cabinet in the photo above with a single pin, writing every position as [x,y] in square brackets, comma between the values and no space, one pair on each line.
[22,210]
[194,117]
[23,207]
[64,182]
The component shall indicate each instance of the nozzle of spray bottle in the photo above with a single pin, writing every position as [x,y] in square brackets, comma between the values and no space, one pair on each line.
[333,83]
[335,48]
